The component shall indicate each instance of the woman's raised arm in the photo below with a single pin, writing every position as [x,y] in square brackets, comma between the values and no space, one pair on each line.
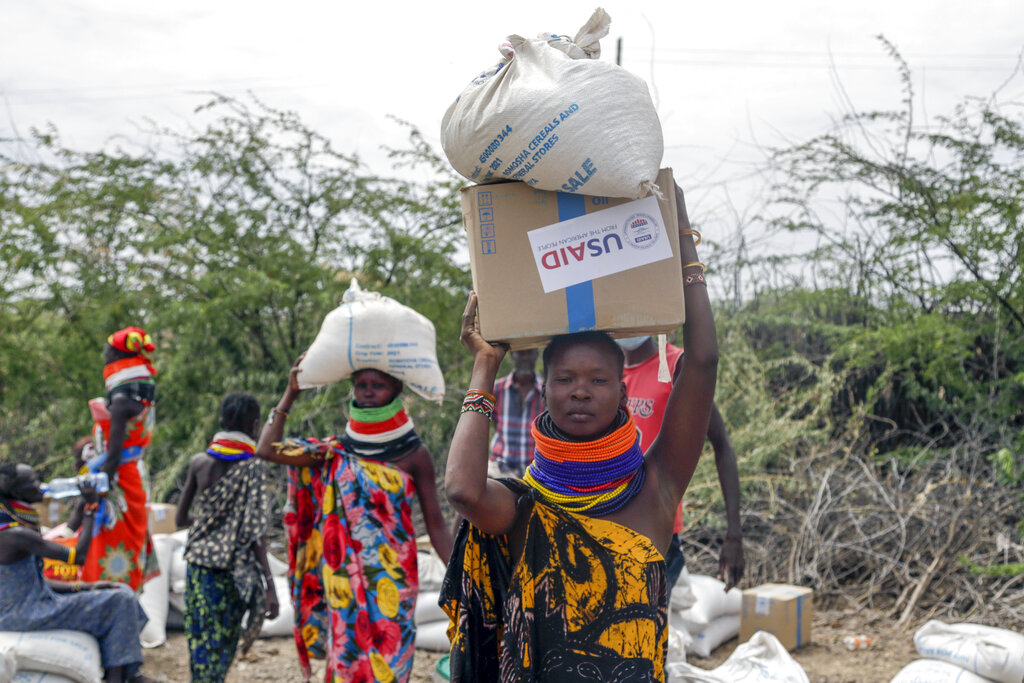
[487,504]
[677,447]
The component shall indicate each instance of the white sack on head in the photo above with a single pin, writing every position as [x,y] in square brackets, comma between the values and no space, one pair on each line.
[557,118]
[369,331]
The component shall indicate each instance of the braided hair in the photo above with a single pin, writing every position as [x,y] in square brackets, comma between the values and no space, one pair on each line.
[238,411]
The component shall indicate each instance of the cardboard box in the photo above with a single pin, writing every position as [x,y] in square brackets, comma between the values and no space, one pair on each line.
[548,263]
[783,610]
[161,518]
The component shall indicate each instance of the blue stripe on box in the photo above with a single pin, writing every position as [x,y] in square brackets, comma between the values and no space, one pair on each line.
[579,299]
[579,304]
[800,621]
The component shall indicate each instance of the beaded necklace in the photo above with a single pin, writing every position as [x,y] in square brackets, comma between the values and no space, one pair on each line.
[593,477]
[16,513]
[137,369]
[382,433]
[231,446]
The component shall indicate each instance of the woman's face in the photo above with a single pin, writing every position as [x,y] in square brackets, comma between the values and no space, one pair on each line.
[373,388]
[584,390]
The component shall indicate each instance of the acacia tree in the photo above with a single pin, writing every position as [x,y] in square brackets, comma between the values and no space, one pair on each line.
[229,243]
[919,225]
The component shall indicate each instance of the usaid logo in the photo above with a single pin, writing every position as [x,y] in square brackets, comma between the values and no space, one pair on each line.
[593,246]
[641,231]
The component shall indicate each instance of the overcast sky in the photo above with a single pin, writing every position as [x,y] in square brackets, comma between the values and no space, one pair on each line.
[727,76]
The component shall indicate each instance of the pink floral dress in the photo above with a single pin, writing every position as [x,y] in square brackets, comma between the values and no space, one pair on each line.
[352,564]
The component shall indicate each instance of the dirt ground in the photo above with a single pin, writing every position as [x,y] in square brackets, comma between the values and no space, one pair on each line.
[825,660]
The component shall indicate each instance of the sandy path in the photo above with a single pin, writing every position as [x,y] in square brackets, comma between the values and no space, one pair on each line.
[825,659]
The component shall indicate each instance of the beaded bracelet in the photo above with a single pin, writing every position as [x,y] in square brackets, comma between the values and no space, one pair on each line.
[90,508]
[478,402]
[477,393]
[694,277]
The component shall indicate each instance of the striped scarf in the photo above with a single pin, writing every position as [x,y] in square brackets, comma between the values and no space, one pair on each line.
[592,477]
[128,370]
[231,446]
[384,433]
[16,513]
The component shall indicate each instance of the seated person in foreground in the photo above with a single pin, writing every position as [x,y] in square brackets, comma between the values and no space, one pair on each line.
[561,577]
[106,610]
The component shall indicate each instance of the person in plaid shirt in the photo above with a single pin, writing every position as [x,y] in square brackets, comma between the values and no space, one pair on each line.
[518,403]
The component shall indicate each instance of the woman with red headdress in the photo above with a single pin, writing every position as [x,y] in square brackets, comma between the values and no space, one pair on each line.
[121,549]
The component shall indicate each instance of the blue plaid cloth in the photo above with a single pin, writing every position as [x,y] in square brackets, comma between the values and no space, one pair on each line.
[512,446]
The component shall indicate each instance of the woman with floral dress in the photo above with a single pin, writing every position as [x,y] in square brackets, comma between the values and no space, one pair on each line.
[351,540]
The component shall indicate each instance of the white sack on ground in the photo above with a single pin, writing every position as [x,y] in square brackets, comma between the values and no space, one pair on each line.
[427,609]
[682,596]
[721,630]
[178,564]
[711,603]
[178,570]
[7,666]
[37,677]
[553,115]
[935,671]
[155,593]
[431,570]
[759,660]
[678,643]
[73,654]
[994,653]
[433,637]
[369,331]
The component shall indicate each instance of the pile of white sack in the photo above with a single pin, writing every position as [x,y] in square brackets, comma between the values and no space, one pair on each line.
[762,659]
[163,597]
[555,116]
[965,653]
[431,621]
[49,657]
[702,616]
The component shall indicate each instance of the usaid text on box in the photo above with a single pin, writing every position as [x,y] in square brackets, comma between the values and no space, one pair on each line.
[599,244]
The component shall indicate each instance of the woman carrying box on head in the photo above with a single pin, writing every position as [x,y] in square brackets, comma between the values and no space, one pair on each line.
[351,540]
[561,577]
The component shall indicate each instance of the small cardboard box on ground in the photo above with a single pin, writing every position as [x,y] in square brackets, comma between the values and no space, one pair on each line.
[549,263]
[161,518]
[783,610]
